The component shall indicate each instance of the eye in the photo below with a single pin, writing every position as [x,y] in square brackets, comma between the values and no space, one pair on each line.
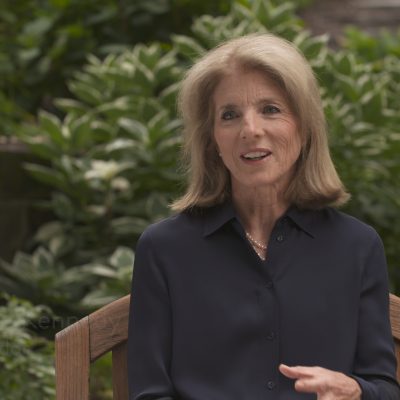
[229,114]
[269,109]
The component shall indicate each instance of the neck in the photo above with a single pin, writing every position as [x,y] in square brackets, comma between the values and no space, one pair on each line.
[258,210]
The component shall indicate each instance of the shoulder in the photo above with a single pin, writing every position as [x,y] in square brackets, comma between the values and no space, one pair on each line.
[344,237]
[348,224]
[346,228]
[174,229]
[334,226]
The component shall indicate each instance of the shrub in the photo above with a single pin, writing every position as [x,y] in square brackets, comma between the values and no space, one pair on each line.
[112,161]
[26,360]
[43,41]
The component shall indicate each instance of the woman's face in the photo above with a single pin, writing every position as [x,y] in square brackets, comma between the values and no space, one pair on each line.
[255,131]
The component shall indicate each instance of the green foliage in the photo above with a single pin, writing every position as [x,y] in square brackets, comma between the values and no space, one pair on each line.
[42,42]
[372,48]
[112,161]
[361,104]
[77,290]
[26,360]
[110,153]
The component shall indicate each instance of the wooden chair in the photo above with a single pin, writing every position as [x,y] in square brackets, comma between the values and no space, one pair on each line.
[80,344]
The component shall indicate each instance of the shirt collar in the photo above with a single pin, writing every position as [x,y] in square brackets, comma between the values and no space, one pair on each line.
[306,220]
[219,215]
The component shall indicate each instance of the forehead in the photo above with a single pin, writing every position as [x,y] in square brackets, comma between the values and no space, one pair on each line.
[242,86]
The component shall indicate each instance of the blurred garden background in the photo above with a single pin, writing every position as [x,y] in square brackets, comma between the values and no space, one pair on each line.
[89,142]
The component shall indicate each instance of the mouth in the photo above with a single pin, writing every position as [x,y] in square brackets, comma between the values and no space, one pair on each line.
[255,155]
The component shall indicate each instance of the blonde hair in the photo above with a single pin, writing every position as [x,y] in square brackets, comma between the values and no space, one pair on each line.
[315,183]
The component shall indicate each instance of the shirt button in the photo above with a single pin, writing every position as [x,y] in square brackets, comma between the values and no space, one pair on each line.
[280,238]
[269,285]
[283,221]
[271,385]
[271,335]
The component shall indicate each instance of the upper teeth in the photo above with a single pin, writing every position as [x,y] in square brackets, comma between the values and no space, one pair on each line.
[255,154]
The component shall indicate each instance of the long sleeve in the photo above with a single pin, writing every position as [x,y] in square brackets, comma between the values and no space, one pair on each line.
[149,339]
[375,363]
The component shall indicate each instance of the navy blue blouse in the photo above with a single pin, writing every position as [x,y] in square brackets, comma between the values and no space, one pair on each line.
[210,320]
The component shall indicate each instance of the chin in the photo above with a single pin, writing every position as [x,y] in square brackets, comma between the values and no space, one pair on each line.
[261,183]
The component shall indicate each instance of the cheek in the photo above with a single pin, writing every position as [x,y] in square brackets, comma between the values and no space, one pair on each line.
[289,146]
[223,141]
[294,144]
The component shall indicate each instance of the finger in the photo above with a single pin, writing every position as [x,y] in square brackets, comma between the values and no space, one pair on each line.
[326,396]
[312,385]
[289,372]
[297,372]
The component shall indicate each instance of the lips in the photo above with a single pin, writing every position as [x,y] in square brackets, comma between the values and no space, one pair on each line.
[255,155]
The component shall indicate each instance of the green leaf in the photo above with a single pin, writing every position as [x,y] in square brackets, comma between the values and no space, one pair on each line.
[187,47]
[26,56]
[348,87]
[166,70]
[124,226]
[43,259]
[169,95]
[81,133]
[52,126]
[312,47]
[46,175]
[99,270]
[86,94]
[61,245]
[41,148]
[71,106]
[262,9]
[373,104]
[48,230]
[135,128]
[241,12]
[148,56]
[122,257]
[144,77]
[282,13]
[345,63]
[38,26]
[120,144]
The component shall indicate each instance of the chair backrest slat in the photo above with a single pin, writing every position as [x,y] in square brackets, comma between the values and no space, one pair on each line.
[108,327]
[73,361]
[395,315]
[395,322]
[120,372]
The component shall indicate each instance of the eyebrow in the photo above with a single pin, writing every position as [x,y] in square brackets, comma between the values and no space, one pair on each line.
[260,101]
[226,106]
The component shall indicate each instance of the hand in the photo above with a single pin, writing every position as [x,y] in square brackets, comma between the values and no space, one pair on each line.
[327,384]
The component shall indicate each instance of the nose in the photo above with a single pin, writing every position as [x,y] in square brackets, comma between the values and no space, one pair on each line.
[250,125]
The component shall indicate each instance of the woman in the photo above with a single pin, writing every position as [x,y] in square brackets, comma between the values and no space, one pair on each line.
[258,288]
